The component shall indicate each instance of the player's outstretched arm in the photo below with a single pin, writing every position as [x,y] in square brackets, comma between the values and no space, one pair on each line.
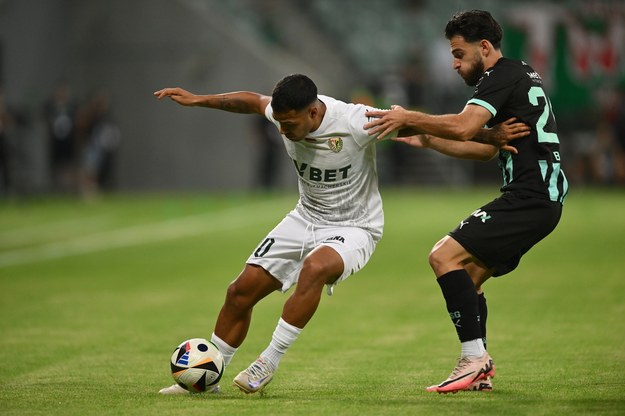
[479,148]
[458,127]
[244,102]
[461,150]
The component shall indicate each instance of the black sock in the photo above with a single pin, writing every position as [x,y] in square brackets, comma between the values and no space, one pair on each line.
[481,303]
[462,304]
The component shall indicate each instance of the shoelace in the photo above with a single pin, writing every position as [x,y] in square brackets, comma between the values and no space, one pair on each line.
[258,370]
[462,363]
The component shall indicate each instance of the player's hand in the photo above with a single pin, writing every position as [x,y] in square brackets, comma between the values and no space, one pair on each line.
[505,132]
[386,121]
[510,149]
[178,95]
[419,140]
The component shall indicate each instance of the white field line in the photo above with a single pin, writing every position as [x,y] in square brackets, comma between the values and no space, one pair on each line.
[143,234]
[49,231]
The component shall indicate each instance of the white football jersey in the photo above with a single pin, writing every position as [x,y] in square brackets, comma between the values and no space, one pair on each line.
[336,167]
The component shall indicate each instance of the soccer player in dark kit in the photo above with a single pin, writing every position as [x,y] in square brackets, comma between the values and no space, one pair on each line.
[491,241]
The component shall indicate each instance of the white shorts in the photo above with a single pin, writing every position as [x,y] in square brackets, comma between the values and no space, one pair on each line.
[283,251]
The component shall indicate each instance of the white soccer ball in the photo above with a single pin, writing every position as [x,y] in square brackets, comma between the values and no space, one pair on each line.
[196,365]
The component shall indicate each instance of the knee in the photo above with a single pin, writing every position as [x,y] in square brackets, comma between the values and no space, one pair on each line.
[436,260]
[312,275]
[236,297]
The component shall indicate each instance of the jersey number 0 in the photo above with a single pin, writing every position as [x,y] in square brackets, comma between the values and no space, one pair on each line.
[264,247]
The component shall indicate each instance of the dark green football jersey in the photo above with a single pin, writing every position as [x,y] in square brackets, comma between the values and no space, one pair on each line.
[512,88]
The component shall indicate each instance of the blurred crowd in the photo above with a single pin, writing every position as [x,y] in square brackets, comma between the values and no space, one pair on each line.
[592,137]
[595,141]
[578,48]
[390,52]
[81,143]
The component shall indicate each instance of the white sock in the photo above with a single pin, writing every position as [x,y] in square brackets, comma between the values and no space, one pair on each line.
[226,350]
[283,337]
[474,348]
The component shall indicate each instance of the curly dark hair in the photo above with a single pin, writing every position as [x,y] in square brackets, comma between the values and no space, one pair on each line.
[293,92]
[474,26]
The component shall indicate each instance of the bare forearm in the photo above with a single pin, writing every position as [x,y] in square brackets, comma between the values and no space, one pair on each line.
[447,126]
[462,150]
[487,136]
[243,102]
[458,127]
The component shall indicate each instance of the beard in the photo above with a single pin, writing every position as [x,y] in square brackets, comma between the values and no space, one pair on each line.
[472,77]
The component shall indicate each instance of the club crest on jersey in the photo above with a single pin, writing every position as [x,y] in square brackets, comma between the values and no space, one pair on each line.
[335,144]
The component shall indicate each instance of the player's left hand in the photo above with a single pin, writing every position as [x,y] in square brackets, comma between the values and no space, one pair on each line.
[386,121]
[506,131]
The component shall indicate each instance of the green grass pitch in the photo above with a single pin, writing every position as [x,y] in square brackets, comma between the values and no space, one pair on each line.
[94,298]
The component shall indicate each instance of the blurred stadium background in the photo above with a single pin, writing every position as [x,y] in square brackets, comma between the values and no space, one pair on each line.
[77,76]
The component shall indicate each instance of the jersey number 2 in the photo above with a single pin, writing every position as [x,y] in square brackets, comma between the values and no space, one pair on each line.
[543,136]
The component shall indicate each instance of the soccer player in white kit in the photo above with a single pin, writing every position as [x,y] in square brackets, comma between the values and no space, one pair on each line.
[331,233]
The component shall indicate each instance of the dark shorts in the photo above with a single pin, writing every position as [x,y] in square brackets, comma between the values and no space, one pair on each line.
[502,231]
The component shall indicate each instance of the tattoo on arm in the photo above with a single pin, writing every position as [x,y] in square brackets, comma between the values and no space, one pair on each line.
[479,139]
[483,136]
[234,105]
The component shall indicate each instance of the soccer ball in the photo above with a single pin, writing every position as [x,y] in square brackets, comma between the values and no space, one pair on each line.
[196,365]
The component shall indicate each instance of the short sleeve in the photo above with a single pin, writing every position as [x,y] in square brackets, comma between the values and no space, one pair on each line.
[357,122]
[493,89]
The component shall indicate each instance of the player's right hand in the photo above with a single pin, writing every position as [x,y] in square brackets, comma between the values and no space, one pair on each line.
[419,140]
